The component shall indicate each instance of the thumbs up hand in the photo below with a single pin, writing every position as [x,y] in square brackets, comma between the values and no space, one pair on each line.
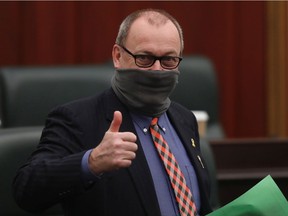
[116,150]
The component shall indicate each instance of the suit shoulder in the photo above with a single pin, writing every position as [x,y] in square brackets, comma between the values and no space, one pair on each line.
[182,112]
[180,108]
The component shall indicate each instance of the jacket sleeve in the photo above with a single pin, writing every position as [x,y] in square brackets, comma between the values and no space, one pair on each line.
[53,171]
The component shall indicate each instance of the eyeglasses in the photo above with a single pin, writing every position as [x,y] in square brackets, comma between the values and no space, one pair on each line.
[145,61]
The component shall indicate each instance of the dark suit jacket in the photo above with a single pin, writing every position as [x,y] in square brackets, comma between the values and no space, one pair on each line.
[53,173]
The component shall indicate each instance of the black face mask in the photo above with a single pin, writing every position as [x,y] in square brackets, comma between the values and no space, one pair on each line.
[145,91]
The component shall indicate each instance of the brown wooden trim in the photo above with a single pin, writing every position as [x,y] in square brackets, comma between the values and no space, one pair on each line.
[241,163]
[277,68]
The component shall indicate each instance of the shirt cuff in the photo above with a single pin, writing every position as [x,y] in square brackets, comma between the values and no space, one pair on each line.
[87,175]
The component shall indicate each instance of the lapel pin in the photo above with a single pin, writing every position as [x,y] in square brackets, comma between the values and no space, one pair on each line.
[193,143]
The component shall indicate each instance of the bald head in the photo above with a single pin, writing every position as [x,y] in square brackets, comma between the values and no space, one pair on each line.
[154,17]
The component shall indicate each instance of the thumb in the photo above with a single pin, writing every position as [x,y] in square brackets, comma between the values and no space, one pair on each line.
[116,122]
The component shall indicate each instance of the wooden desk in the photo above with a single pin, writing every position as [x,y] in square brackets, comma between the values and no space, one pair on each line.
[242,163]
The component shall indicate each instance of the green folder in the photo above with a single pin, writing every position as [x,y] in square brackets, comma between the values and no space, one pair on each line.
[264,199]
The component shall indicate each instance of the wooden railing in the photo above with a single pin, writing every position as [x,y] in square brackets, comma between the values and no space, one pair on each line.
[241,163]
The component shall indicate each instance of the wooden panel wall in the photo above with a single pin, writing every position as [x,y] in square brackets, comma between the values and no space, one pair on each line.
[232,34]
[277,68]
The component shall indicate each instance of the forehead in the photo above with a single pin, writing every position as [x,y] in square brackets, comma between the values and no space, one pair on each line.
[159,33]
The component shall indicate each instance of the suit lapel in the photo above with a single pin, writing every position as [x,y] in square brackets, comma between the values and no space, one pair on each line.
[185,132]
[190,140]
[139,170]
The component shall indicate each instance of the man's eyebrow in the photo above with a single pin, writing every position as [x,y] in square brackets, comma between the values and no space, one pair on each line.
[169,53]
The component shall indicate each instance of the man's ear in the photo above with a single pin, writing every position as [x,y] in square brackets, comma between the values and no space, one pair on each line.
[116,55]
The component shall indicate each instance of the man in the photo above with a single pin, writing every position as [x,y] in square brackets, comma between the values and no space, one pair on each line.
[98,156]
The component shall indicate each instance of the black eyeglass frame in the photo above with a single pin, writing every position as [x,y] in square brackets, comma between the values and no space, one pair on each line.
[155,58]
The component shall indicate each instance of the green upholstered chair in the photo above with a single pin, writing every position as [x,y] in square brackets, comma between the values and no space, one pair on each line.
[198,90]
[27,94]
[16,144]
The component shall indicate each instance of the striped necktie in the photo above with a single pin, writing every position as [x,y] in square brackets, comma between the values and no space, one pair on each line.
[183,194]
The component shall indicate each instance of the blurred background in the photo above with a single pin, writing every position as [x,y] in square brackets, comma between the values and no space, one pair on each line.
[247,42]
[59,44]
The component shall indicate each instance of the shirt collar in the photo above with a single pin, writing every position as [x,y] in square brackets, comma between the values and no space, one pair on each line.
[143,122]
